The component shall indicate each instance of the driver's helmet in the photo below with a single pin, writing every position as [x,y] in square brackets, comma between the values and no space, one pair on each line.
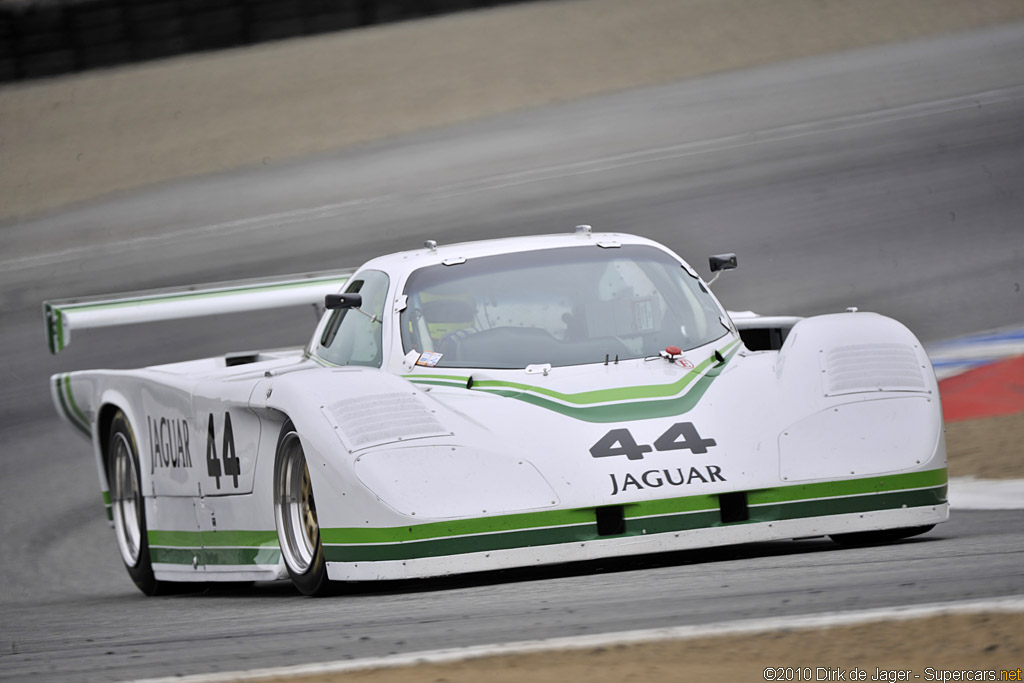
[446,315]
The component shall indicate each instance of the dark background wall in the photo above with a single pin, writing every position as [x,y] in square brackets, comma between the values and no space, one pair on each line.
[48,38]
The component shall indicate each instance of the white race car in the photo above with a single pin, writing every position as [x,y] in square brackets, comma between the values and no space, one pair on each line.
[500,404]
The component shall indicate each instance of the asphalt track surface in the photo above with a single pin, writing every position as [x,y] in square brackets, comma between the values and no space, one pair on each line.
[890,178]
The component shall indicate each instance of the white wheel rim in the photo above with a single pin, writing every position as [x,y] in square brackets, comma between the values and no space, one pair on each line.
[126,500]
[295,508]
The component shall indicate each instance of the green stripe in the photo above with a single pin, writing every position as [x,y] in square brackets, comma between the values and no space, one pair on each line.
[60,329]
[460,545]
[634,527]
[787,511]
[795,492]
[438,383]
[206,539]
[629,409]
[67,410]
[54,328]
[216,556]
[633,393]
[434,539]
[71,401]
[606,395]
[849,487]
[840,506]
[555,518]
[639,410]
[229,547]
[458,527]
[106,504]
[186,296]
[668,506]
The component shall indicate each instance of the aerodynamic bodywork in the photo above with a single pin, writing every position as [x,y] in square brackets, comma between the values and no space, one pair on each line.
[498,404]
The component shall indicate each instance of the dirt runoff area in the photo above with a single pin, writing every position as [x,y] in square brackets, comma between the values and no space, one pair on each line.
[76,138]
[930,648]
[986,448]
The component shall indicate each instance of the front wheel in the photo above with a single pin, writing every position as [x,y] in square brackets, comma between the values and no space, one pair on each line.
[298,530]
[126,504]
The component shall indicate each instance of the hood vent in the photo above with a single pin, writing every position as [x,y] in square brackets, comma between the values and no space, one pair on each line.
[872,367]
[381,419]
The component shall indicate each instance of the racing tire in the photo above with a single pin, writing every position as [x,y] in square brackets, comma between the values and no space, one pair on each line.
[865,538]
[128,507]
[298,530]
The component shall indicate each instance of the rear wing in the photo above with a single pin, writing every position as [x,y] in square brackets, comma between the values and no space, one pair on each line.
[63,315]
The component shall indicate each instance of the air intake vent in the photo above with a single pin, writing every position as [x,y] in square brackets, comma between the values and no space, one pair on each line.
[382,418]
[611,520]
[872,367]
[733,507]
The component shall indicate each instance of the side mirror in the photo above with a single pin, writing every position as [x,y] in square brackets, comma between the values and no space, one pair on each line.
[719,264]
[722,262]
[336,301]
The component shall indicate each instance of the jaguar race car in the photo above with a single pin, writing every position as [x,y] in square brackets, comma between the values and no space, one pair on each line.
[498,404]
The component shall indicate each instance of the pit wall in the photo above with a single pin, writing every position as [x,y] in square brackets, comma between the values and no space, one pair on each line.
[40,39]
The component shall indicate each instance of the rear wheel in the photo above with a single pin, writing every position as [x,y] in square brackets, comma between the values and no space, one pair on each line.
[127,506]
[862,538]
[298,530]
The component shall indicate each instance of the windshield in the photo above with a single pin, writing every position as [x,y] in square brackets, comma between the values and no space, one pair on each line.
[565,306]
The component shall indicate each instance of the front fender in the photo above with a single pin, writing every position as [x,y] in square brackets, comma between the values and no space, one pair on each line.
[341,413]
[869,400]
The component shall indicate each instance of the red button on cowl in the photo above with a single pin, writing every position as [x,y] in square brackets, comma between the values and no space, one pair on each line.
[673,350]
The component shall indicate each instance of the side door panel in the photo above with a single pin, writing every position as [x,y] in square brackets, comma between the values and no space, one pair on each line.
[230,437]
[175,544]
[234,508]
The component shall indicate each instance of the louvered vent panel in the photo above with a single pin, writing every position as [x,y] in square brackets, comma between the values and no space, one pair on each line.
[383,418]
[873,367]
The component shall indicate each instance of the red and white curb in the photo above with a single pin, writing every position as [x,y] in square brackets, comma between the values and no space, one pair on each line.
[981,376]
[959,355]
[1012,604]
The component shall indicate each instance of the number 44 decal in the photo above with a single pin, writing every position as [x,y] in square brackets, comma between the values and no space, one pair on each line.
[678,437]
[232,465]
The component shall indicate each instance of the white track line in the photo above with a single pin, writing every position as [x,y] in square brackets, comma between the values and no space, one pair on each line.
[968,493]
[728,628]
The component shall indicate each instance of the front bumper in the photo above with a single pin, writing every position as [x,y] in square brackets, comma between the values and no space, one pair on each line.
[551,537]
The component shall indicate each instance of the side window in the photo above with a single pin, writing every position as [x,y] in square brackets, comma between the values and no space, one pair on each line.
[351,336]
